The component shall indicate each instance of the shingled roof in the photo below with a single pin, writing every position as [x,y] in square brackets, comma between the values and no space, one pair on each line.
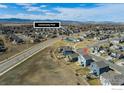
[113,78]
[101,64]
[86,56]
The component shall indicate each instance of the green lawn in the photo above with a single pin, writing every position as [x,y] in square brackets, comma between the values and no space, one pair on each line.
[1,42]
[83,71]
[94,82]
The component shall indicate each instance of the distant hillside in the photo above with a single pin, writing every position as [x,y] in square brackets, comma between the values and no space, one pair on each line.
[16,20]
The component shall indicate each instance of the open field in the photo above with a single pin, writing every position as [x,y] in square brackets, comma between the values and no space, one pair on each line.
[82,44]
[85,43]
[40,69]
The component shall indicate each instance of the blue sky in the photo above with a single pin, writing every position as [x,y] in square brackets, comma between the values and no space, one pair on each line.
[69,11]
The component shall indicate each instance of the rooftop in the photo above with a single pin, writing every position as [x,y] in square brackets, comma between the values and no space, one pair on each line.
[80,52]
[101,64]
[74,55]
[114,78]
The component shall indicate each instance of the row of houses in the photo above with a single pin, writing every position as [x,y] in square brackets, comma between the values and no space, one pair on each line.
[117,40]
[15,39]
[103,37]
[110,51]
[99,69]
[28,28]
[85,60]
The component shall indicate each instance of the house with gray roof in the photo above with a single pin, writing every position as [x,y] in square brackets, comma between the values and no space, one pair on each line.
[15,39]
[66,50]
[118,40]
[112,78]
[2,48]
[97,68]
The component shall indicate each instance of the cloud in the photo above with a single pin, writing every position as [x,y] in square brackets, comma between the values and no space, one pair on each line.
[26,16]
[3,6]
[43,6]
[24,4]
[105,12]
[31,8]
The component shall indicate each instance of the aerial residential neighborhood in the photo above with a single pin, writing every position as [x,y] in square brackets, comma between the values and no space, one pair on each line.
[76,53]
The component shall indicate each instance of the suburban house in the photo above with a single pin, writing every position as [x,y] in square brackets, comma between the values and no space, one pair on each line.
[66,50]
[73,57]
[115,47]
[35,40]
[95,49]
[103,37]
[115,41]
[15,39]
[118,40]
[84,59]
[81,38]
[112,78]
[1,32]
[117,55]
[98,49]
[97,68]
[74,40]
[121,48]
[2,48]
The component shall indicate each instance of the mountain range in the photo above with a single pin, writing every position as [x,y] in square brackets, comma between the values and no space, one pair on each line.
[17,20]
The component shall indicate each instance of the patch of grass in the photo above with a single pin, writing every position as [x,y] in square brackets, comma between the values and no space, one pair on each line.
[94,82]
[85,43]
[1,42]
[60,43]
[63,43]
[83,71]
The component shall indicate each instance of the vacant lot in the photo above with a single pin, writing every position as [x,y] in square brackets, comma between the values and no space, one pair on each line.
[41,69]
[85,43]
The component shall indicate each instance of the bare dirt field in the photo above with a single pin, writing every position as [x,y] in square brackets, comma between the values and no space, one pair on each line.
[41,69]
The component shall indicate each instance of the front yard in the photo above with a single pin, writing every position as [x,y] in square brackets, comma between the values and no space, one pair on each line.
[94,82]
[83,71]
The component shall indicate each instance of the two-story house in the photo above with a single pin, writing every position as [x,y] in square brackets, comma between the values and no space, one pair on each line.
[97,68]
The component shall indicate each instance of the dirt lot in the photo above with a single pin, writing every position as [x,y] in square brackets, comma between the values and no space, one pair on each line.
[41,69]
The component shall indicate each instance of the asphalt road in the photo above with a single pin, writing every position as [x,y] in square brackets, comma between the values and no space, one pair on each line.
[11,62]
